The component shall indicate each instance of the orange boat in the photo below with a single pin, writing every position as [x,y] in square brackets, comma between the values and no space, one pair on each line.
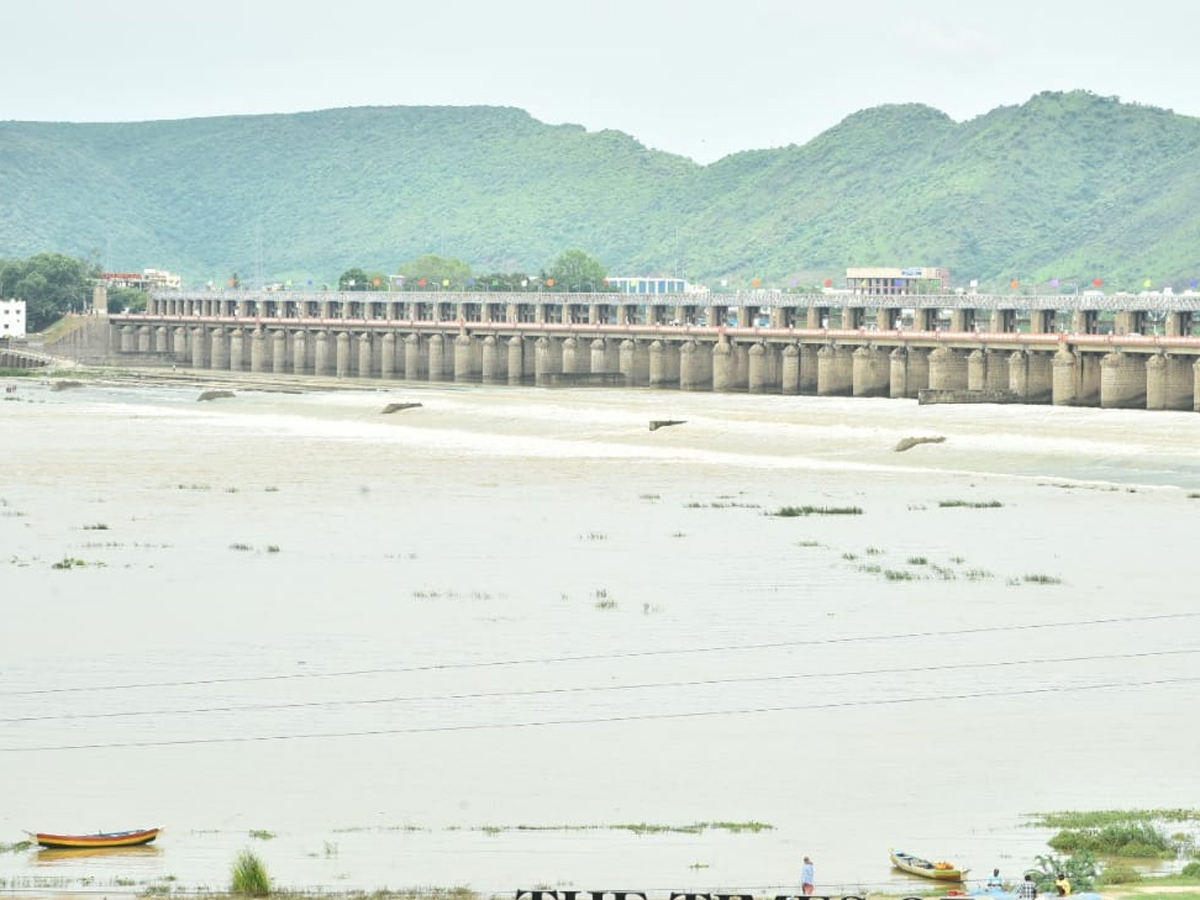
[104,839]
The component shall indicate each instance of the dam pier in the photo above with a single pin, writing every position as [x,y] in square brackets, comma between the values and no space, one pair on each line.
[1119,351]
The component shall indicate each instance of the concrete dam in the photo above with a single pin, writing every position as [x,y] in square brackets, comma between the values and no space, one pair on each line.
[1119,351]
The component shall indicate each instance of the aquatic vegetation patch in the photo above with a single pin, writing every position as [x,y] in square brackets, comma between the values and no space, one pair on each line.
[18,847]
[969,504]
[791,512]
[99,526]
[260,835]
[1137,840]
[73,562]
[1038,578]
[918,561]
[639,828]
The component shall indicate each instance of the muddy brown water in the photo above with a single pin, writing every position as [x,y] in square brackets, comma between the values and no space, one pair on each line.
[462,644]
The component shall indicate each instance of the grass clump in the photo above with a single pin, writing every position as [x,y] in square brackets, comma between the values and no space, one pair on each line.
[240,546]
[1119,875]
[791,512]
[260,835]
[99,526]
[970,504]
[249,876]
[918,561]
[898,575]
[18,847]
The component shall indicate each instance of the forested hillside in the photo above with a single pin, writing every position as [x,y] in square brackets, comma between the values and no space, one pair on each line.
[1067,186]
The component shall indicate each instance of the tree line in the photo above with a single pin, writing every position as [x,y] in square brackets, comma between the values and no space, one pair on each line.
[54,284]
[573,271]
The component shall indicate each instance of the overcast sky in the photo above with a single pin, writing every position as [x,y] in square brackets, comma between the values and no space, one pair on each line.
[703,78]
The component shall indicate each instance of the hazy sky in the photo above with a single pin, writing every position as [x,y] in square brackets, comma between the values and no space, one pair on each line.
[703,78]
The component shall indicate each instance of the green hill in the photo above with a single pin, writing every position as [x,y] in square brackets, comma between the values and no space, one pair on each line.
[1070,186]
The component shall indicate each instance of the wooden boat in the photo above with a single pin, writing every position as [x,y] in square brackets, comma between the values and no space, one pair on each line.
[102,840]
[914,865]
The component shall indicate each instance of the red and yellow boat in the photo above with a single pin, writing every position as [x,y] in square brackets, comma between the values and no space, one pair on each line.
[101,840]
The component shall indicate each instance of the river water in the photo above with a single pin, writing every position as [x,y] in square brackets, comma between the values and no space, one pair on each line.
[464,644]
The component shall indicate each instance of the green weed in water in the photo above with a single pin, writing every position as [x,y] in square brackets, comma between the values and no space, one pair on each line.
[970,504]
[1040,579]
[1137,840]
[791,512]
[249,876]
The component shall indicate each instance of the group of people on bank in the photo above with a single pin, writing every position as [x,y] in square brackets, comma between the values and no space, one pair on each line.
[1027,889]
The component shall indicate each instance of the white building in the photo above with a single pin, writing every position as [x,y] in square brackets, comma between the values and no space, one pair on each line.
[146,280]
[12,319]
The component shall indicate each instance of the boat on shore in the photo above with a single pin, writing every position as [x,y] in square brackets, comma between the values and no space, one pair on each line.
[915,865]
[100,840]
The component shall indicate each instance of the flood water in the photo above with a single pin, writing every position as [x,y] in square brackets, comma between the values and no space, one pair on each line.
[462,644]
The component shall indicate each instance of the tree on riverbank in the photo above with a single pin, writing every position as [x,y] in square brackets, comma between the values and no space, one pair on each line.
[51,284]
